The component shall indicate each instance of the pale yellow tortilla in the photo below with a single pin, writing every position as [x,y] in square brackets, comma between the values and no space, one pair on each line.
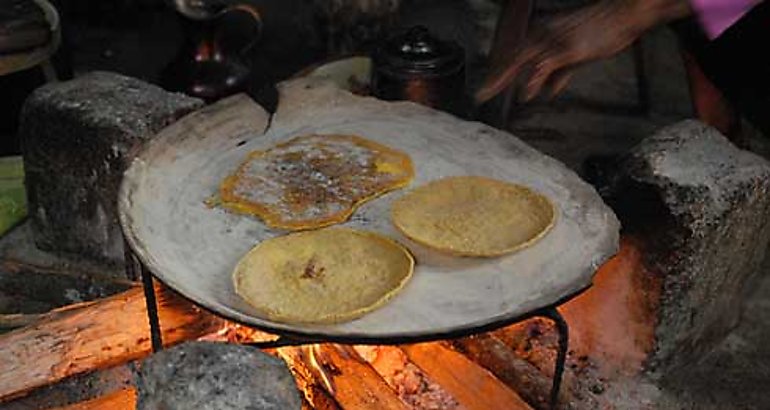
[473,216]
[323,276]
[314,181]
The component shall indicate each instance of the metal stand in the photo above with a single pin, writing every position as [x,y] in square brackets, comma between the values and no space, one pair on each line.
[152,309]
[134,270]
[561,353]
[133,265]
[282,341]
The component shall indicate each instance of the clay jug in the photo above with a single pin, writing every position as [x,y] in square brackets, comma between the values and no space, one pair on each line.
[212,62]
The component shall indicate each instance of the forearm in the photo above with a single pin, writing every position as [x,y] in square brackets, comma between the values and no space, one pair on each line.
[651,13]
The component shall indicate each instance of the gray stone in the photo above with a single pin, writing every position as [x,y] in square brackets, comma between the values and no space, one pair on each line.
[78,137]
[215,376]
[702,207]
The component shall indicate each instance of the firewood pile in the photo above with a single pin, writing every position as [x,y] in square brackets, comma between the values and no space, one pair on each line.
[91,351]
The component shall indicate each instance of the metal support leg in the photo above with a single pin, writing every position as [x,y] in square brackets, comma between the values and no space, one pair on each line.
[132,265]
[561,357]
[152,309]
[282,341]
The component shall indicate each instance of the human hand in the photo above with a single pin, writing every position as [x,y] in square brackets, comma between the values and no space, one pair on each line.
[551,52]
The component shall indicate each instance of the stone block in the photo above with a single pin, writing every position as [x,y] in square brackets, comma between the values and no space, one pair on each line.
[702,208]
[215,376]
[77,139]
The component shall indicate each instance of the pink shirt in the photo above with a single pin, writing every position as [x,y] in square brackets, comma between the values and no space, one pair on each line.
[716,16]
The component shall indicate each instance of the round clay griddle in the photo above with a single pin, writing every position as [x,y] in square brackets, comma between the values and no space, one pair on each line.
[193,248]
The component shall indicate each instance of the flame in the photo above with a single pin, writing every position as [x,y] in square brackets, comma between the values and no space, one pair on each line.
[611,325]
[614,321]
[232,332]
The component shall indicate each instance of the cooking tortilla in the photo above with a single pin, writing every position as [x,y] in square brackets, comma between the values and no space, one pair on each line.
[323,276]
[314,181]
[473,216]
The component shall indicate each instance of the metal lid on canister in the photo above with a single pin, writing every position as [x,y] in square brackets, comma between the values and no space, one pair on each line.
[417,53]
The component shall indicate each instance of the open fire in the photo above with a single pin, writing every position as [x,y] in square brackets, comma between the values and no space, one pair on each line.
[611,323]
[672,293]
[507,368]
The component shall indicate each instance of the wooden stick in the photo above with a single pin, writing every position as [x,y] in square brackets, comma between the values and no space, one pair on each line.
[411,384]
[524,378]
[110,331]
[473,387]
[345,376]
[316,396]
[353,382]
[124,399]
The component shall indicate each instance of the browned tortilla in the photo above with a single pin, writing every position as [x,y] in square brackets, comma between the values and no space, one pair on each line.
[314,181]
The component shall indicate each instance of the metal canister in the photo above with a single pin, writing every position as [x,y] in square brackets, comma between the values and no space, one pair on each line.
[419,67]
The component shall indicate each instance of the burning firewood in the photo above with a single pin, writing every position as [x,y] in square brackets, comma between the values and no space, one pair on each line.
[472,386]
[411,384]
[108,332]
[524,378]
[343,374]
[315,394]
[124,399]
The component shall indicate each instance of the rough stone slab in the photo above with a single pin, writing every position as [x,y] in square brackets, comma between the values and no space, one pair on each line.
[215,376]
[78,137]
[703,207]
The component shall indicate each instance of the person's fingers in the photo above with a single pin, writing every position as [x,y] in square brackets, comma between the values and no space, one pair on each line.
[500,78]
[559,81]
[556,61]
[497,81]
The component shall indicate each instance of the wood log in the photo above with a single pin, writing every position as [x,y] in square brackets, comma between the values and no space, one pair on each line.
[474,387]
[518,374]
[534,340]
[353,382]
[347,377]
[110,331]
[124,399]
[411,384]
[315,395]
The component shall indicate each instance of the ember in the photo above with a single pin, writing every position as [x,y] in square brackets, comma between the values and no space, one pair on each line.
[411,384]
[613,323]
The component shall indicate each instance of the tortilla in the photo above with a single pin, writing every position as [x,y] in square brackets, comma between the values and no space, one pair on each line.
[473,216]
[323,276]
[314,181]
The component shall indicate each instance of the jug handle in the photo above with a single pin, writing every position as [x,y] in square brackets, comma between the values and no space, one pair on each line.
[256,19]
